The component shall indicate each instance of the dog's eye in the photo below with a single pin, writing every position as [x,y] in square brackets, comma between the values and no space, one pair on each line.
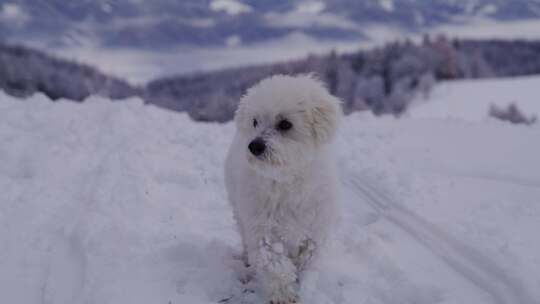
[284,125]
[255,123]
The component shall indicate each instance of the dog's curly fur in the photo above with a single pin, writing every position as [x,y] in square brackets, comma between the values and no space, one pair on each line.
[285,199]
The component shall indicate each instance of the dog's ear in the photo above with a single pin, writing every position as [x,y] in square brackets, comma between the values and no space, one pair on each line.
[323,118]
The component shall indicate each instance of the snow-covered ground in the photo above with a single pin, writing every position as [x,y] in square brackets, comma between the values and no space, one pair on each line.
[472,99]
[118,202]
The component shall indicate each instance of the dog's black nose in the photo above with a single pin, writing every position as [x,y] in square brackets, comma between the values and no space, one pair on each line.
[257,146]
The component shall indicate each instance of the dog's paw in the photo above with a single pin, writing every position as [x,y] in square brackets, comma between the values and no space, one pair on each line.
[284,299]
[285,294]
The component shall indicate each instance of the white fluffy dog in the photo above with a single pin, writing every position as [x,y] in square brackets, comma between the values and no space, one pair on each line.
[281,180]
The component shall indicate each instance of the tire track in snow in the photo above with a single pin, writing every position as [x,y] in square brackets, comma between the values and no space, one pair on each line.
[481,271]
[523,182]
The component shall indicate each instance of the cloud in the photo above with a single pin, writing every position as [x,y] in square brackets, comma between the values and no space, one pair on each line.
[13,14]
[307,15]
[231,7]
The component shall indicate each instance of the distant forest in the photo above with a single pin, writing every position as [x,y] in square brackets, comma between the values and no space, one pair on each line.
[383,80]
[25,71]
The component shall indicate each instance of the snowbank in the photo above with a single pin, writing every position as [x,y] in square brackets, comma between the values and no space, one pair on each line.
[118,202]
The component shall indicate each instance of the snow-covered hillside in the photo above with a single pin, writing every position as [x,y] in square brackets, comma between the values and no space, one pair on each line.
[472,99]
[118,202]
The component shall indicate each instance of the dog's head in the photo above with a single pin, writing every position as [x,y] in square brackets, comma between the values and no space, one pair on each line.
[284,121]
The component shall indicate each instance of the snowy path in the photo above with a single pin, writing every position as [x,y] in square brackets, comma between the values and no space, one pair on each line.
[503,287]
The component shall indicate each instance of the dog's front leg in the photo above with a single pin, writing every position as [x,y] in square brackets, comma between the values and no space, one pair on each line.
[276,272]
[305,255]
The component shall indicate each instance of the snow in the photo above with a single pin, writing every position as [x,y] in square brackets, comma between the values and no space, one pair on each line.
[471,99]
[121,202]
